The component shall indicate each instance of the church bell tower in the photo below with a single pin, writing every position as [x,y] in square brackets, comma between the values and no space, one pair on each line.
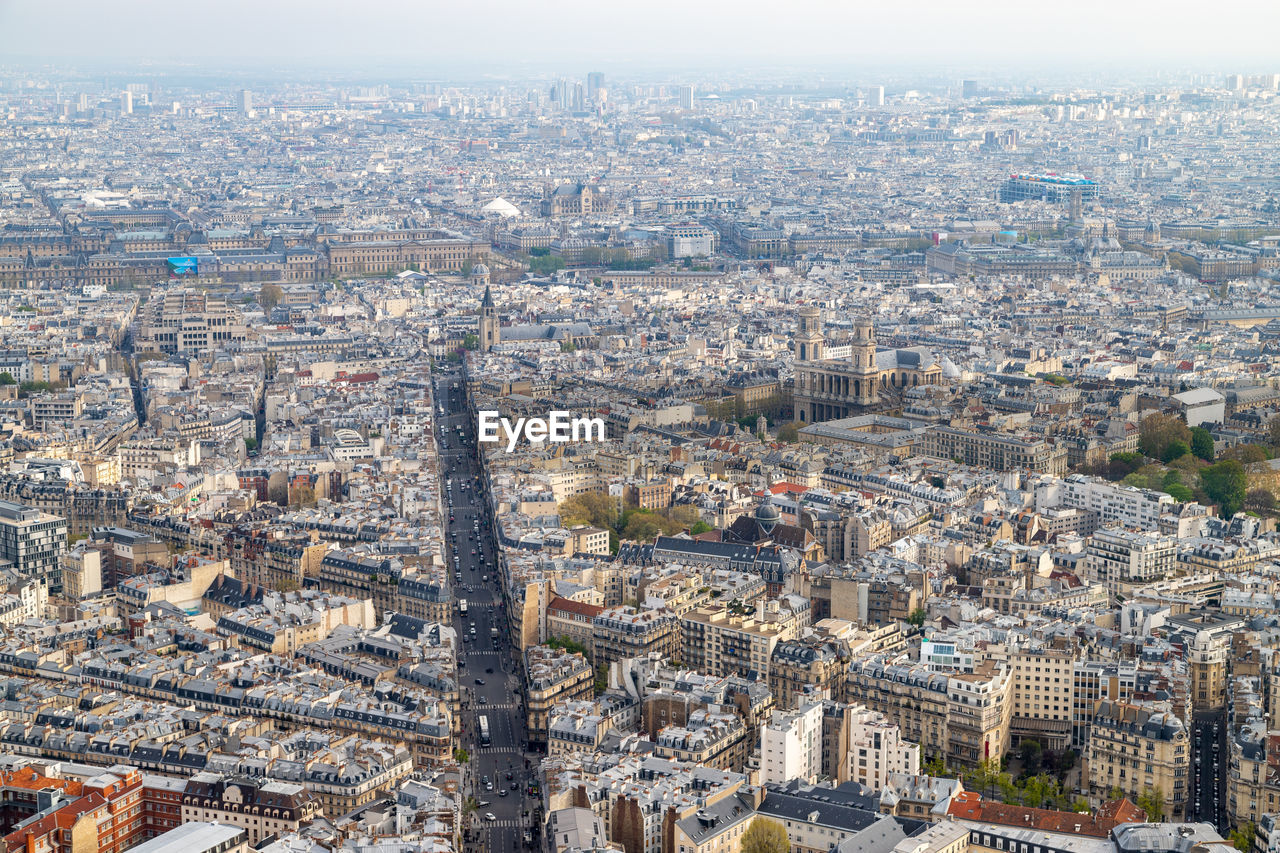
[488,322]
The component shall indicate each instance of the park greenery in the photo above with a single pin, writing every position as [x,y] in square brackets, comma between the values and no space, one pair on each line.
[598,509]
[1181,461]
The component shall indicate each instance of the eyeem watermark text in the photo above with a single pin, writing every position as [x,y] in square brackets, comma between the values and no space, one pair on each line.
[557,427]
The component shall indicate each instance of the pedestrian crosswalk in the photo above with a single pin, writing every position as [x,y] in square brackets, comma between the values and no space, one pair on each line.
[496,706]
[507,821]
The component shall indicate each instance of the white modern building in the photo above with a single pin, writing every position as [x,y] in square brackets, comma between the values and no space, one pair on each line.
[791,745]
[1111,503]
[1202,406]
[1120,559]
[876,749]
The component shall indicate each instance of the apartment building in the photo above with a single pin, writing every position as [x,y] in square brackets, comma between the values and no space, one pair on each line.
[1253,781]
[719,641]
[624,632]
[1123,560]
[910,696]
[708,738]
[806,667]
[877,750]
[997,451]
[553,676]
[979,712]
[1138,748]
[33,542]
[1111,504]
[791,745]
[653,494]
[260,807]
[1043,697]
[1095,681]
[194,322]
[573,620]
[278,559]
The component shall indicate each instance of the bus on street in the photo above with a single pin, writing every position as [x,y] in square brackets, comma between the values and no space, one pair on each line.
[484,731]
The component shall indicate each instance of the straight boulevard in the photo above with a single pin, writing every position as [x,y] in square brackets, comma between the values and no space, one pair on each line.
[498,775]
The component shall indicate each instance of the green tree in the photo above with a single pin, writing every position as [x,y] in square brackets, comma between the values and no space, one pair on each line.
[936,766]
[1225,484]
[1121,465]
[471,342]
[682,517]
[703,527]
[461,756]
[642,526]
[251,444]
[1259,500]
[1151,801]
[1158,431]
[602,679]
[765,836]
[6,378]
[269,296]
[546,264]
[1242,838]
[591,508]
[917,617]
[1173,485]
[568,645]
[1247,454]
[1031,753]
[1202,443]
[789,433]
[1175,449]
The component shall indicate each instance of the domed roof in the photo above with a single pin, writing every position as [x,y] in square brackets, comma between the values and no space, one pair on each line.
[479,269]
[767,516]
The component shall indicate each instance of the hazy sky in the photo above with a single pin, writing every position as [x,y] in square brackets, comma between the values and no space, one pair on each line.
[556,35]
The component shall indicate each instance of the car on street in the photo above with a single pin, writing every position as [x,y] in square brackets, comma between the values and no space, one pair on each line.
[489,816]
[479,681]
[489,670]
[502,793]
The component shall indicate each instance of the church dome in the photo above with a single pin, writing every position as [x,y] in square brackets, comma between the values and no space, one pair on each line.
[479,269]
[767,515]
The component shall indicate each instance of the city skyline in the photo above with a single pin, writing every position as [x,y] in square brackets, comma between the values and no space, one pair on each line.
[504,35]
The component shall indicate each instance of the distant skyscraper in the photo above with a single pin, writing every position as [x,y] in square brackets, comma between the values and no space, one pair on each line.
[686,97]
[579,96]
[969,89]
[595,82]
[246,102]
[83,103]
[876,98]
[126,102]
